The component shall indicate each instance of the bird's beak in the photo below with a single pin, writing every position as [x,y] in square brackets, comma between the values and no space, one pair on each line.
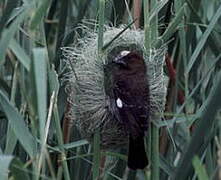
[119,60]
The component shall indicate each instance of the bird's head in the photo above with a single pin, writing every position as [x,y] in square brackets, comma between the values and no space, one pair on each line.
[128,61]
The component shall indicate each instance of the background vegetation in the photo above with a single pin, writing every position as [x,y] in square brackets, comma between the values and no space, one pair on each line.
[184,145]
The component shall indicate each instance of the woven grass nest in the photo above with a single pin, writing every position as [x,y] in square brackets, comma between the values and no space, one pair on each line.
[86,82]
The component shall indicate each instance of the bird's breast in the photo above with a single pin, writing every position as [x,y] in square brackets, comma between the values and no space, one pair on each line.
[133,83]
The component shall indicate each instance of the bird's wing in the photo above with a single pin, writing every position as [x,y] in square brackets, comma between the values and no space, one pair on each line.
[130,106]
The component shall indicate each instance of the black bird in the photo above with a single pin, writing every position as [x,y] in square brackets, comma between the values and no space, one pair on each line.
[129,103]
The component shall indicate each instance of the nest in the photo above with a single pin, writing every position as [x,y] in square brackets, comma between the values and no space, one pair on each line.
[86,84]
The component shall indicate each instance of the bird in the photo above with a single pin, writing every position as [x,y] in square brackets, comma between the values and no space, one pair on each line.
[129,102]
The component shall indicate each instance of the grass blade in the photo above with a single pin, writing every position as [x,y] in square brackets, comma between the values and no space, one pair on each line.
[118,35]
[20,54]
[10,6]
[14,166]
[60,142]
[147,32]
[155,164]
[96,143]
[157,7]
[18,124]
[39,14]
[18,170]
[96,157]
[207,119]
[4,168]
[171,28]
[200,169]
[40,74]
[203,39]
[101,25]
[8,34]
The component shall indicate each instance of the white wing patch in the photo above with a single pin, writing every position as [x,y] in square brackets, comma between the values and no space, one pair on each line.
[119,103]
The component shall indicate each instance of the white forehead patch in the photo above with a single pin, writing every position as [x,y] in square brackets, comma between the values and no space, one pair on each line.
[119,103]
[124,53]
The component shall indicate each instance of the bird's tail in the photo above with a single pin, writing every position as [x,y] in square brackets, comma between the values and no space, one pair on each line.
[137,158]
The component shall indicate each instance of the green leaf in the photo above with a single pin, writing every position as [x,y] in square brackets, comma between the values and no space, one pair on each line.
[203,39]
[18,170]
[147,31]
[11,141]
[200,169]
[165,166]
[14,166]
[171,28]
[8,33]
[60,141]
[118,35]
[96,157]
[213,42]
[115,154]
[4,86]
[4,168]
[156,8]
[155,152]
[101,25]
[20,54]
[71,145]
[18,125]
[8,11]
[40,76]
[39,13]
[202,129]
[61,29]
